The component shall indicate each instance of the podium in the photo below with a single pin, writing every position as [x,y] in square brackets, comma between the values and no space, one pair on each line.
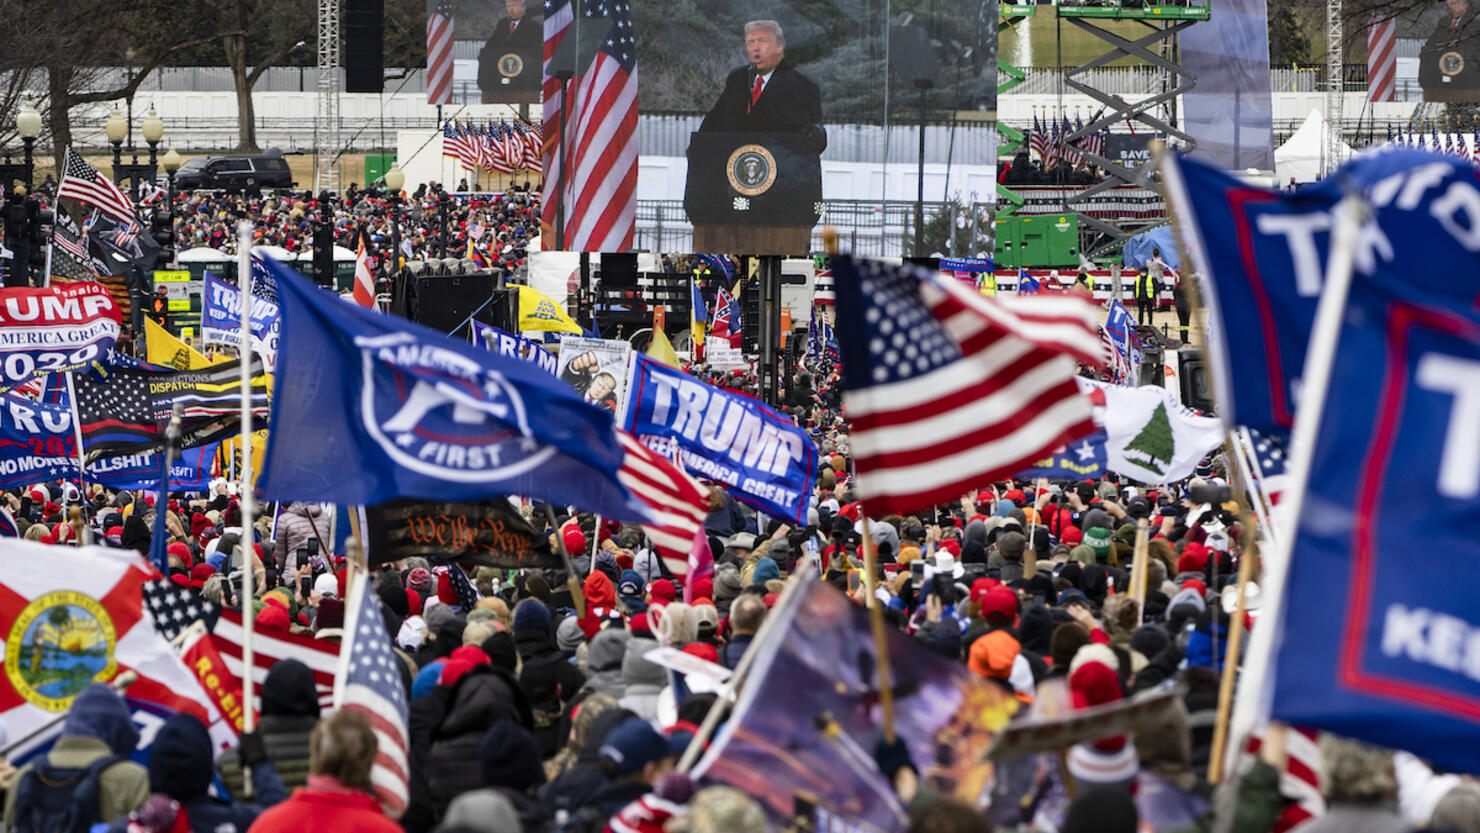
[752,193]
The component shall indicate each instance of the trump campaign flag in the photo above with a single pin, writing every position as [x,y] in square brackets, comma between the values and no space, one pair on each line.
[512,346]
[946,389]
[221,315]
[762,457]
[424,415]
[55,329]
[1379,636]
[1262,255]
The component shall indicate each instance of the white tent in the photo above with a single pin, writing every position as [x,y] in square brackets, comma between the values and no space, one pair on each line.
[1302,156]
[340,254]
[204,254]
[275,252]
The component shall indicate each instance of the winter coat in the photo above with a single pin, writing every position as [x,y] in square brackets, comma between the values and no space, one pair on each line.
[483,695]
[97,726]
[180,767]
[604,663]
[732,651]
[286,739]
[643,679]
[325,806]
[296,527]
[543,669]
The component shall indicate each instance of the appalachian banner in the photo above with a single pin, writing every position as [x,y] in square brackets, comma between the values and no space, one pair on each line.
[491,534]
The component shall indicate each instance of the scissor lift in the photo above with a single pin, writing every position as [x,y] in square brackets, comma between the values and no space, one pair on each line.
[1163,23]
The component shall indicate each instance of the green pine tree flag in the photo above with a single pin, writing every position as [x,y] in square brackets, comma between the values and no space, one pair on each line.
[1155,444]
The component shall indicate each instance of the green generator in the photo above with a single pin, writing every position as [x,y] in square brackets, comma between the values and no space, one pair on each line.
[1037,240]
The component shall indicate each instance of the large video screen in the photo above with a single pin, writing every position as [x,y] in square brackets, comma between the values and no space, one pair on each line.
[484,51]
[757,121]
[1449,61]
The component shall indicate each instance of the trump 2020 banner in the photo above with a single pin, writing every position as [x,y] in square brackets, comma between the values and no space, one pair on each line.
[55,329]
[759,455]
[1262,256]
[37,442]
[221,315]
[1380,635]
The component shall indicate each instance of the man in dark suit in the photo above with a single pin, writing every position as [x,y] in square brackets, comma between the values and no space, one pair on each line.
[768,95]
[513,35]
[1449,63]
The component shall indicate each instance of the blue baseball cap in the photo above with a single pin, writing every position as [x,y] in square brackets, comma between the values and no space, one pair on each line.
[634,743]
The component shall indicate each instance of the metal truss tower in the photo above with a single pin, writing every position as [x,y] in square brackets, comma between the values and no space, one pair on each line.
[326,127]
[1335,86]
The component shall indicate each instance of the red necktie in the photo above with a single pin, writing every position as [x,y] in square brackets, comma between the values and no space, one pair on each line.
[512,24]
[755,92]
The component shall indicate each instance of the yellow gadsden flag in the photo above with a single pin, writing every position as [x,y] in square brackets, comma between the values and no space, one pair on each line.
[164,348]
[538,311]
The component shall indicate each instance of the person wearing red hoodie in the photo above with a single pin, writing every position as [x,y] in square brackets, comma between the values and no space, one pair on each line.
[601,602]
[338,794]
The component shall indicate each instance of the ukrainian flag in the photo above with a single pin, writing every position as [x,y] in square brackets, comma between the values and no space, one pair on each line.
[698,319]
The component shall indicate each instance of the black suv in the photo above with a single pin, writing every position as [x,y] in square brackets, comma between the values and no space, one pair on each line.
[269,170]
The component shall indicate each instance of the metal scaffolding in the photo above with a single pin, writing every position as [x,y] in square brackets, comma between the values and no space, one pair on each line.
[1158,47]
[326,128]
[1335,86]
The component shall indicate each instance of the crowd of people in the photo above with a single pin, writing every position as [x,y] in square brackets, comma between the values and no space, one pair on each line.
[527,715]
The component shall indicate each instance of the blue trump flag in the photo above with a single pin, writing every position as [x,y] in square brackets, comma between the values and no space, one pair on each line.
[1262,257]
[37,442]
[511,346]
[763,458]
[369,407]
[1377,645]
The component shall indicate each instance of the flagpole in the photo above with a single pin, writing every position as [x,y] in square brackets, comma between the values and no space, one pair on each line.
[1325,336]
[1139,560]
[81,464]
[881,640]
[248,506]
[576,598]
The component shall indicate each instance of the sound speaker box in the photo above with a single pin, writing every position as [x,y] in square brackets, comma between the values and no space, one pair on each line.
[364,46]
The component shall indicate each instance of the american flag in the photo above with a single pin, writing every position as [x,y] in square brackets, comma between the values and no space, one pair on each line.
[439,53]
[369,682]
[1301,780]
[498,150]
[81,182]
[1267,451]
[1475,145]
[1382,58]
[452,140]
[512,145]
[823,290]
[174,608]
[364,288]
[946,389]
[1038,140]
[71,239]
[467,594]
[149,193]
[1055,146]
[677,501]
[534,146]
[599,199]
[1071,150]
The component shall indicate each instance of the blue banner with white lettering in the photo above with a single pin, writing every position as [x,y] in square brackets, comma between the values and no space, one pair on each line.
[37,443]
[1079,461]
[1381,633]
[511,346]
[763,458]
[1262,257]
[369,407]
[220,317]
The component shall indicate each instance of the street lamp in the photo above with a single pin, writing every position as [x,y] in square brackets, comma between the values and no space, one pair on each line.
[28,125]
[395,178]
[153,129]
[117,128]
[171,161]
